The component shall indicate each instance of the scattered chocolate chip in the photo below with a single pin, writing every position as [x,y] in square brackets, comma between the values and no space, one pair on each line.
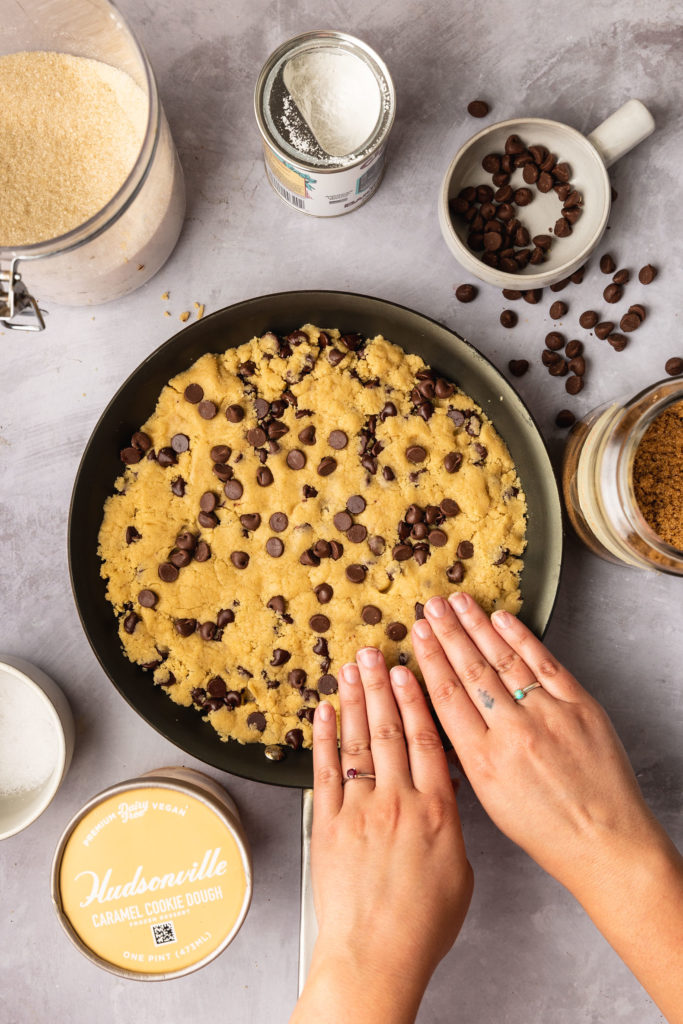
[573,385]
[478,108]
[518,367]
[209,520]
[207,410]
[577,365]
[558,310]
[280,657]
[402,552]
[452,462]
[612,293]
[224,617]
[607,264]
[533,296]
[207,631]
[508,318]
[465,549]
[622,277]
[357,533]
[342,521]
[240,559]
[338,440]
[523,196]
[220,453]
[355,573]
[326,466]
[416,453]
[388,473]
[167,572]
[674,366]
[335,356]
[371,614]
[638,310]
[180,443]
[319,623]
[296,459]
[234,490]
[396,631]
[629,322]
[185,627]
[130,622]
[132,535]
[466,292]
[355,504]
[327,684]
[456,572]
[606,327]
[234,413]
[438,538]
[589,319]
[274,547]
[208,501]
[549,357]
[574,348]
[377,545]
[554,341]
[251,521]
[147,598]
[559,286]
[277,604]
[202,552]
[647,274]
[307,435]
[194,393]
[617,341]
[294,738]
[256,437]
[166,457]
[257,720]
[565,418]
[264,477]
[558,368]
[562,227]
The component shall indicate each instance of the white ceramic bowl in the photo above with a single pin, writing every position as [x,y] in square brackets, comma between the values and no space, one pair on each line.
[589,157]
[20,809]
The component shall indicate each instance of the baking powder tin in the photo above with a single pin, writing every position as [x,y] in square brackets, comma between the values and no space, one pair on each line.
[152,878]
[315,182]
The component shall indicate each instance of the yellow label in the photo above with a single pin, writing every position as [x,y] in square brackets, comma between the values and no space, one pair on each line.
[290,178]
[152,880]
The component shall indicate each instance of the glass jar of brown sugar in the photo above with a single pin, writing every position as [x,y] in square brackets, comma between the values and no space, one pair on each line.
[622,479]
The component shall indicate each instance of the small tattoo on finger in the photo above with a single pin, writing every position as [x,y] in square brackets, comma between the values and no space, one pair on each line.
[486,698]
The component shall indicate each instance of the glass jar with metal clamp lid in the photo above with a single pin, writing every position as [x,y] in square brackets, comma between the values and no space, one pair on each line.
[92,203]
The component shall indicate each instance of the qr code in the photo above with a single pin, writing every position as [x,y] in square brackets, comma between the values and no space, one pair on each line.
[164,932]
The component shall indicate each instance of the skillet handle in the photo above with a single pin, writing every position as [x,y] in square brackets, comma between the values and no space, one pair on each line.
[308,924]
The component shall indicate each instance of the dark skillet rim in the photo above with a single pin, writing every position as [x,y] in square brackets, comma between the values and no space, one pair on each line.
[296,770]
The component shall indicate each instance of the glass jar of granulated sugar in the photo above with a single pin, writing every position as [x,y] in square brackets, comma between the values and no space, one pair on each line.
[622,479]
[325,104]
[91,189]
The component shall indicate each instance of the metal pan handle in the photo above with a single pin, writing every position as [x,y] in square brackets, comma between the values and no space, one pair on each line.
[308,923]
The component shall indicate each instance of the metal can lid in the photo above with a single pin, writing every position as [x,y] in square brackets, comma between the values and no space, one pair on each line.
[152,879]
[325,100]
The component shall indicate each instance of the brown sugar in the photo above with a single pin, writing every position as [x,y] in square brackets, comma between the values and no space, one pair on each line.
[658,475]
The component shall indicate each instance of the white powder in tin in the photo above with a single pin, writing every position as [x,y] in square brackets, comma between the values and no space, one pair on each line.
[28,739]
[72,130]
[337,95]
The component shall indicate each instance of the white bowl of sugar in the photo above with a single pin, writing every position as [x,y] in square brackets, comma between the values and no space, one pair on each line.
[36,743]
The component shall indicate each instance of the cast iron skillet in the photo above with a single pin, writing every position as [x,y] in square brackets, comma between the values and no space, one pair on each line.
[283,313]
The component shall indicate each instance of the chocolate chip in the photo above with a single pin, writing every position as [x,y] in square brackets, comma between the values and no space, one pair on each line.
[438,538]
[388,473]
[264,477]
[545,182]
[548,357]
[355,504]
[466,292]
[396,631]
[558,310]
[342,521]
[234,490]
[606,327]
[559,286]
[225,617]
[523,196]
[257,720]
[617,341]
[402,552]
[280,657]
[416,453]
[207,410]
[294,738]
[180,443]
[554,341]
[518,367]
[208,501]
[167,572]
[355,573]
[185,627]
[638,310]
[222,471]
[629,322]
[274,547]
[130,622]
[357,533]
[166,457]
[338,440]
[589,319]
[558,368]
[478,108]
[132,535]
[647,274]
[449,507]
[456,572]
[209,520]
[220,453]
[577,365]
[207,631]
[612,293]
[508,318]
[194,393]
[419,610]
[562,226]
[574,348]
[308,557]
[327,684]
[465,549]
[414,514]
[261,408]
[565,418]
[240,559]
[320,648]
[674,366]
[256,437]
[573,385]
[234,413]
[277,604]
[324,593]
[202,552]
[327,466]
[307,435]
[622,277]
[371,614]
[377,545]
[335,356]
[147,598]
[322,548]
[452,462]
[251,521]
[533,296]
[607,264]
[308,491]
[319,623]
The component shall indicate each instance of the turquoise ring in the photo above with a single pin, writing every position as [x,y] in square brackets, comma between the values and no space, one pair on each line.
[521,694]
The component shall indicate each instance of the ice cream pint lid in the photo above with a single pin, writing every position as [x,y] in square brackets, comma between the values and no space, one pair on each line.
[152,878]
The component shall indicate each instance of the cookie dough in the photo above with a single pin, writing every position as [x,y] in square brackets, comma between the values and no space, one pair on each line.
[290,501]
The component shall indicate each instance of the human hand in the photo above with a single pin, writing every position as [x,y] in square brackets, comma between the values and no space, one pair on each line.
[391,880]
[549,769]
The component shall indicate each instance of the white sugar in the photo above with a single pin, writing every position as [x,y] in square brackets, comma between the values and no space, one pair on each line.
[337,95]
[28,738]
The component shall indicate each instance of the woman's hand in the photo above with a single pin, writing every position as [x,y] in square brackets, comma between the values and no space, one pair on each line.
[391,879]
[552,774]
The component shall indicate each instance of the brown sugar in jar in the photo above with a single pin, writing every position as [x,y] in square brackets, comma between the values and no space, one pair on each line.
[658,475]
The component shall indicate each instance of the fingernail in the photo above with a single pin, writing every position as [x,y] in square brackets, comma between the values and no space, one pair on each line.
[422,629]
[460,602]
[437,607]
[368,656]
[351,673]
[325,711]
[502,619]
[399,675]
